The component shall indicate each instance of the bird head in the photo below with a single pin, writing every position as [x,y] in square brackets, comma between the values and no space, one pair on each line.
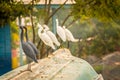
[64,27]
[39,26]
[56,22]
[24,27]
[21,27]
[46,27]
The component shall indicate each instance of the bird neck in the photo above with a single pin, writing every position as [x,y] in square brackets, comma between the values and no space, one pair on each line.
[46,29]
[26,34]
[57,22]
[64,27]
[21,35]
[41,31]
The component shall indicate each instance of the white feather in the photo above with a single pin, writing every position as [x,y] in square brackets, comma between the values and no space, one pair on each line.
[51,35]
[69,35]
[45,38]
[61,32]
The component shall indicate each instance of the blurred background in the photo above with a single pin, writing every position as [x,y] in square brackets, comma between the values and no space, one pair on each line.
[95,23]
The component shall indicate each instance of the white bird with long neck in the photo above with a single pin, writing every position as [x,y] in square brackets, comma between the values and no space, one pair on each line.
[69,35]
[44,37]
[51,35]
[60,32]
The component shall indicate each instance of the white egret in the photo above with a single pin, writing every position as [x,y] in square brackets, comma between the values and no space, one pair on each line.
[51,35]
[60,31]
[44,37]
[69,35]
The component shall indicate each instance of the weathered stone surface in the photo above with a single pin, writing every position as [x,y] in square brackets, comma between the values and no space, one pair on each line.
[59,66]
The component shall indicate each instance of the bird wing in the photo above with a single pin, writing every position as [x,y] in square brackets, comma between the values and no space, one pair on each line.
[69,35]
[53,37]
[34,47]
[61,33]
[29,51]
[47,40]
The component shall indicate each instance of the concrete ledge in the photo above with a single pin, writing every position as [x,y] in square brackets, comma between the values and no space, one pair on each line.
[59,66]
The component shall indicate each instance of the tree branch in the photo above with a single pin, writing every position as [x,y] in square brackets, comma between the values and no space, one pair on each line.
[47,12]
[72,22]
[32,21]
[38,44]
[56,11]
[66,19]
[49,5]
[45,5]
[46,20]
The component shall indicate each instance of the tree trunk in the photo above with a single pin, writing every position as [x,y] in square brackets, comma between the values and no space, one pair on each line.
[32,21]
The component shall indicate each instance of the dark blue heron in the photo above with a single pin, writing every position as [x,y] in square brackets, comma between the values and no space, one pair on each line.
[28,50]
[30,43]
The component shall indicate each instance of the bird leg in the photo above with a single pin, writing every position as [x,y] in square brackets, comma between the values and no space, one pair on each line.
[62,46]
[28,68]
[68,44]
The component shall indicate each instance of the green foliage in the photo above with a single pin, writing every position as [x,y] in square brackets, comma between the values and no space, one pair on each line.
[104,10]
[41,15]
[98,68]
[14,35]
[104,30]
[106,40]
[10,10]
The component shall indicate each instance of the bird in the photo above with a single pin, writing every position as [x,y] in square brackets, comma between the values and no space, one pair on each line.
[44,37]
[28,50]
[29,42]
[60,32]
[51,35]
[69,35]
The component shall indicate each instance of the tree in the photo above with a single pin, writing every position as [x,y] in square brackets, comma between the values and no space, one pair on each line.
[14,35]
[10,10]
[45,15]
[103,10]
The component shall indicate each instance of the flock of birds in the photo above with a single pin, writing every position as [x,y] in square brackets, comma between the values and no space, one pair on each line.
[48,38]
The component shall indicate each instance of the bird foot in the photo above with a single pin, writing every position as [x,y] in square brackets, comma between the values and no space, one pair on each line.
[51,55]
[21,71]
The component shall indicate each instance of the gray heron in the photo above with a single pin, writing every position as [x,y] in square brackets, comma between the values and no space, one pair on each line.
[30,43]
[28,50]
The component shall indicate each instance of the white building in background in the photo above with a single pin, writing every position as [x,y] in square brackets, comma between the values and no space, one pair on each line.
[52,2]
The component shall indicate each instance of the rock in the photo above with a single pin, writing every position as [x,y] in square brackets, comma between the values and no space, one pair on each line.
[59,66]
